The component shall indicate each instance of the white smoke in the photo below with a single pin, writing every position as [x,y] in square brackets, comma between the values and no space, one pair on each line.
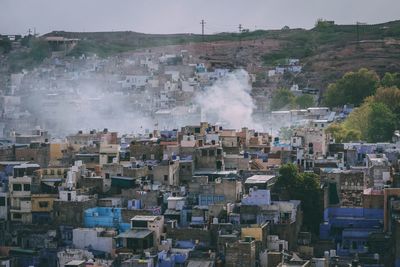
[228,101]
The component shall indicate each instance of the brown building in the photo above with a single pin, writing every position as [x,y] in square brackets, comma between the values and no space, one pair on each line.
[241,253]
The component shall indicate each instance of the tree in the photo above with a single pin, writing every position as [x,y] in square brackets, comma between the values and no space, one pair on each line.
[342,134]
[5,45]
[352,135]
[338,131]
[304,101]
[282,98]
[352,88]
[358,120]
[391,79]
[311,201]
[388,96]
[303,187]
[287,179]
[381,123]
[332,96]
[40,49]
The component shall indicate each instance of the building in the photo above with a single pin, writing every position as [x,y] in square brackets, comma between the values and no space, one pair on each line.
[19,187]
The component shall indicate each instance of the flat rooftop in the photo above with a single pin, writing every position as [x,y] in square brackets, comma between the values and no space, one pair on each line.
[259,179]
[145,218]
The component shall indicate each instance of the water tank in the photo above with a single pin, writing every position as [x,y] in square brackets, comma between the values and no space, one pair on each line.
[215,220]
[332,253]
[326,254]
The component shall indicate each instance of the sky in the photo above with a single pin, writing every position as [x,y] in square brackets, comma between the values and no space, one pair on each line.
[184,16]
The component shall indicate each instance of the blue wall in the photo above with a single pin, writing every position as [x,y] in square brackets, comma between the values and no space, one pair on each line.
[105,217]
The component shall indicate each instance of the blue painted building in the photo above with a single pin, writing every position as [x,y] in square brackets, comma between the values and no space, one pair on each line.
[105,217]
[350,228]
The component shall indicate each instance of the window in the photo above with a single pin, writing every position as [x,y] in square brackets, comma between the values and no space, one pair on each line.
[17,187]
[17,216]
[165,178]
[59,172]
[197,130]
[107,176]
[211,153]
[2,201]
[204,153]
[52,172]
[43,204]
[27,187]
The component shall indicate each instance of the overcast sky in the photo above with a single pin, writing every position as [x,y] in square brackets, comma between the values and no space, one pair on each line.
[178,16]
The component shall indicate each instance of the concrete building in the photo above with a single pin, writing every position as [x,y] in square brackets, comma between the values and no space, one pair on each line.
[152,223]
[69,208]
[242,253]
[99,239]
[19,187]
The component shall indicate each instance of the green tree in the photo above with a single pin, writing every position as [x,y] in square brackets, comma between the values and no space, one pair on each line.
[304,101]
[332,96]
[282,98]
[338,131]
[5,46]
[303,187]
[352,88]
[40,49]
[287,182]
[391,79]
[352,135]
[381,123]
[358,120]
[311,201]
[389,96]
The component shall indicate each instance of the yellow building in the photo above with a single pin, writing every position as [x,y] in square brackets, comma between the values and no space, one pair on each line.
[42,202]
[56,153]
[258,231]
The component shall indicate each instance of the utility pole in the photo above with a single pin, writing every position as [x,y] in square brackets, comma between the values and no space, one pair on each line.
[202,28]
[240,37]
[358,32]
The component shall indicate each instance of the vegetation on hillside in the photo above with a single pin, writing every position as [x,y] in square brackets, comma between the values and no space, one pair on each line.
[37,52]
[352,88]
[305,43]
[377,116]
[284,98]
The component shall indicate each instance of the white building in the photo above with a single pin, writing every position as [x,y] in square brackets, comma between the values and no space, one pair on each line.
[96,238]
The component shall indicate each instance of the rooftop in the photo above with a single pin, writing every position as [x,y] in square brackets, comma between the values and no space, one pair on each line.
[135,234]
[145,218]
[255,179]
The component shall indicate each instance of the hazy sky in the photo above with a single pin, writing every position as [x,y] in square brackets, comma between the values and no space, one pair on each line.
[173,16]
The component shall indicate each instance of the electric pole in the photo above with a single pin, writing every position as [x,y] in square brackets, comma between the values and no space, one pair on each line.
[358,32]
[202,28]
[240,35]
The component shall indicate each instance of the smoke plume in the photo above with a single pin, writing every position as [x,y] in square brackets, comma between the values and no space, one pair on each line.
[228,101]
